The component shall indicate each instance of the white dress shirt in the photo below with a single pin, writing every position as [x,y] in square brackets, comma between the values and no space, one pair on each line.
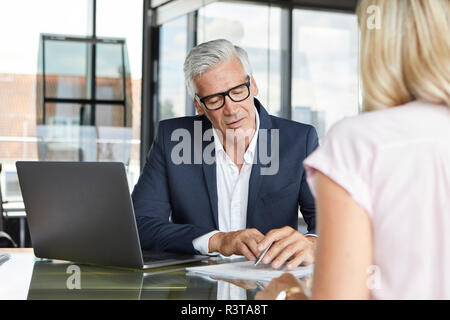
[232,190]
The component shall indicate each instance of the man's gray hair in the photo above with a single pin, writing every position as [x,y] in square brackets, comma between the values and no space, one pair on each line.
[208,55]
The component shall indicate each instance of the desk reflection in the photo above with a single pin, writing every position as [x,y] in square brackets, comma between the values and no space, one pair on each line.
[69,281]
[59,281]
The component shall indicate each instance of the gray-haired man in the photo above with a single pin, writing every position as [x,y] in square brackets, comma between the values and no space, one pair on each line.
[237,203]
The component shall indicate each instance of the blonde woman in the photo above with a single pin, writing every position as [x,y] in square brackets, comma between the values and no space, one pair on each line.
[382,179]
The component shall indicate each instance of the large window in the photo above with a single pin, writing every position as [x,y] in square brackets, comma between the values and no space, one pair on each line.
[18,70]
[171,88]
[304,61]
[324,68]
[83,104]
[259,36]
[123,19]
[68,65]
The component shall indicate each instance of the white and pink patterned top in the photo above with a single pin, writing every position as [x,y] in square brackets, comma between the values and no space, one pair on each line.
[395,164]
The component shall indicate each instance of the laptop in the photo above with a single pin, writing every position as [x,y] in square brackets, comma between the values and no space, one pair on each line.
[82,212]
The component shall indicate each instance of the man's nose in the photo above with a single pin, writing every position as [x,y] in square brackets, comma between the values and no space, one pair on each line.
[230,107]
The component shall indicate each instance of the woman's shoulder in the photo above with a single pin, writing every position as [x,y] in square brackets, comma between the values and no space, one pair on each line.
[402,123]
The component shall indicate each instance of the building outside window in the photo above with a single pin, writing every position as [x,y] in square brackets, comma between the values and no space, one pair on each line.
[20,74]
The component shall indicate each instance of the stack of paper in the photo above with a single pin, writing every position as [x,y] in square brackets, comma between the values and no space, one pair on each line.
[248,271]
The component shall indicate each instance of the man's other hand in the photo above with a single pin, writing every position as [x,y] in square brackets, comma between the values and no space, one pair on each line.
[242,242]
[289,246]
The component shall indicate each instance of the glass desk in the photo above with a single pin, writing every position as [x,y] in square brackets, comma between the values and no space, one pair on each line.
[24,276]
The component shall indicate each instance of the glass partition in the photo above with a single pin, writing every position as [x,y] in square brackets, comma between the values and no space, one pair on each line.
[109,68]
[66,64]
[324,68]
[66,115]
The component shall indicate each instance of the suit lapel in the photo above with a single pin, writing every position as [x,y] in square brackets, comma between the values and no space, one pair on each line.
[209,173]
[253,190]
[255,176]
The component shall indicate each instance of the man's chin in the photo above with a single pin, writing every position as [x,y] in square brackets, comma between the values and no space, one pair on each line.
[236,125]
[239,134]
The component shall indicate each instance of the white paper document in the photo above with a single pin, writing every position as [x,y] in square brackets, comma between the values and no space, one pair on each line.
[247,270]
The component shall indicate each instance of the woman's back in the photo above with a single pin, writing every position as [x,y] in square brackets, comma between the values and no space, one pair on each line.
[382,179]
[396,165]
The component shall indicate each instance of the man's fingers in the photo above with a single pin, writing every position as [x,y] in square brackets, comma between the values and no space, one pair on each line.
[245,251]
[296,261]
[274,235]
[243,242]
[297,253]
[250,238]
[252,244]
[284,255]
[278,248]
[257,237]
[271,236]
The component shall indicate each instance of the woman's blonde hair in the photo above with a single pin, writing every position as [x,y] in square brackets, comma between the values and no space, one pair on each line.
[405,52]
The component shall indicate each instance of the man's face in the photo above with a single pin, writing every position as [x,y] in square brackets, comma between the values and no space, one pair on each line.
[236,118]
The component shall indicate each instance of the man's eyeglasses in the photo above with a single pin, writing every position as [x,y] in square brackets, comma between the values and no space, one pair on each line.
[236,94]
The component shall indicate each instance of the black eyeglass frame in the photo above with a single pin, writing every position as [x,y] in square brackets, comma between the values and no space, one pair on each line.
[225,94]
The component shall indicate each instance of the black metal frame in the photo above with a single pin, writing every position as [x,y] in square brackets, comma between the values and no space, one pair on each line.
[82,101]
[327,5]
[149,93]
[192,26]
[93,101]
[286,63]
[93,65]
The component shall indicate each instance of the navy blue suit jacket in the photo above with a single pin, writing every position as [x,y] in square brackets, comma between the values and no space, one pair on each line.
[176,203]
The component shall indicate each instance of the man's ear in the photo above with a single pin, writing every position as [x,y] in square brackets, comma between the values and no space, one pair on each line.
[254,87]
[198,107]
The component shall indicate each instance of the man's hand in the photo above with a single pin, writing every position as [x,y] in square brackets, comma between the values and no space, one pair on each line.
[242,242]
[288,245]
